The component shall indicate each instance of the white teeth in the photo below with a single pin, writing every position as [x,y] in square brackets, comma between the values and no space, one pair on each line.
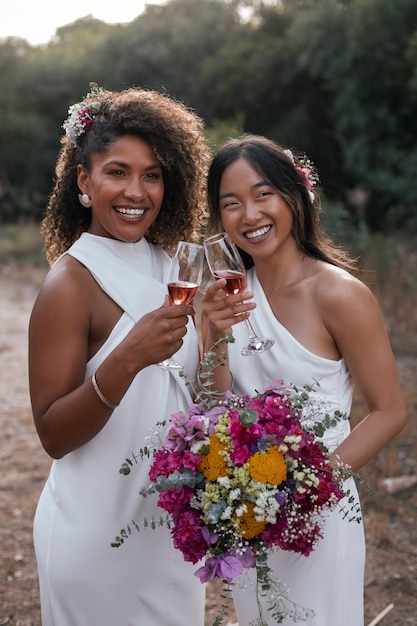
[130,212]
[258,233]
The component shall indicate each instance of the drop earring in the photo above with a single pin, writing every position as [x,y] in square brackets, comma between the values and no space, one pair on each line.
[85,200]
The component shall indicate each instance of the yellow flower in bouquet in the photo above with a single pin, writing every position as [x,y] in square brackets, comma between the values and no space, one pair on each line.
[247,524]
[268,466]
[213,465]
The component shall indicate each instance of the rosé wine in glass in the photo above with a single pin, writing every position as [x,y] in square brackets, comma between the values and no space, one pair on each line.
[236,281]
[225,261]
[182,292]
[184,278]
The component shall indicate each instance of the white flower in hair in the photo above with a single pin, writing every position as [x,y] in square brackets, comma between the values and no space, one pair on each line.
[306,169]
[81,115]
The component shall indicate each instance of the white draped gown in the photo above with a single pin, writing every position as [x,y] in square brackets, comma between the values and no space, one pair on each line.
[330,581]
[86,501]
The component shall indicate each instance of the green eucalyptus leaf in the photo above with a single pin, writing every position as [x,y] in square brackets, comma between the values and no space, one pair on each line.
[248,416]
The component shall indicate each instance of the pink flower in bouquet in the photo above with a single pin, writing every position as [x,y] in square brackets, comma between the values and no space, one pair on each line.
[245,439]
[187,536]
[183,431]
[166,462]
[175,501]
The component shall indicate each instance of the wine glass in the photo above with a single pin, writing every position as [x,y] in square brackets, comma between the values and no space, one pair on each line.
[224,261]
[184,278]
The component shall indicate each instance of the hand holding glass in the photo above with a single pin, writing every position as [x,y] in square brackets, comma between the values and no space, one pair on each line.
[224,261]
[184,278]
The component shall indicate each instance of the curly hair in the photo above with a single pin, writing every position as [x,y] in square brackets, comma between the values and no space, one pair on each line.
[175,133]
[273,163]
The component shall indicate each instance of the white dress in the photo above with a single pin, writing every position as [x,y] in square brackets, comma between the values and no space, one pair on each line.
[86,501]
[331,580]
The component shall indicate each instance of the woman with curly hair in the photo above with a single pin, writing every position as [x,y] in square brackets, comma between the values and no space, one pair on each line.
[129,184]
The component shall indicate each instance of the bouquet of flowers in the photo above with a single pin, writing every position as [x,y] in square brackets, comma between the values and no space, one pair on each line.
[242,478]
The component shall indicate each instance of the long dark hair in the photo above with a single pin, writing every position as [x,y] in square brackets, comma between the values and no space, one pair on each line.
[284,171]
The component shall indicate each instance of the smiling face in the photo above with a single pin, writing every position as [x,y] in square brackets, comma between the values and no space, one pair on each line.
[126,187]
[253,213]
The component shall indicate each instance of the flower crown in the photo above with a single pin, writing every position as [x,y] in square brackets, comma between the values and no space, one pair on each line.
[81,115]
[306,168]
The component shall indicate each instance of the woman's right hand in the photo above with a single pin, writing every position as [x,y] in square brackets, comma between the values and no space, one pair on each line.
[158,334]
[220,311]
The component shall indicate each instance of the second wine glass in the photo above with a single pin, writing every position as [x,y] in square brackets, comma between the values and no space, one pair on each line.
[183,280]
[225,261]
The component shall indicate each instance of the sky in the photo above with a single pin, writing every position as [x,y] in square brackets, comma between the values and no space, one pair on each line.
[37,20]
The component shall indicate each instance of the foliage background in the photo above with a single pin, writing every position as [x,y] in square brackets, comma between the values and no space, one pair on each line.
[336,79]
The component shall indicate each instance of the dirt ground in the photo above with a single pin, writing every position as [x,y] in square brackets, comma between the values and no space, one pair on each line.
[390,517]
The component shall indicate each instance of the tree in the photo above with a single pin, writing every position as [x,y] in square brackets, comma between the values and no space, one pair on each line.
[367,72]
[166,47]
[336,79]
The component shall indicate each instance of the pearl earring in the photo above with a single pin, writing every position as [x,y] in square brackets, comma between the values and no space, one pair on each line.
[85,200]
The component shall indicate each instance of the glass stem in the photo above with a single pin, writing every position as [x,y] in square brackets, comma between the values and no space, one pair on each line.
[251,331]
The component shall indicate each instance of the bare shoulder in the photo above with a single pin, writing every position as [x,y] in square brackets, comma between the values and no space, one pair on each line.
[67,268]
[66,289]
[345,301]
[335,286]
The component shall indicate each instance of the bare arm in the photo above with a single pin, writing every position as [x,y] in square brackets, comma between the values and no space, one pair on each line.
[67,411]
[354,320]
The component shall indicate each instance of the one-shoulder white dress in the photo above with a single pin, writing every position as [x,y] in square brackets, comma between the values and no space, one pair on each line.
[330,581]
[86,501]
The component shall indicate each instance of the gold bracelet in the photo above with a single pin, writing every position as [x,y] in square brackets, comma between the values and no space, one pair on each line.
[100,395]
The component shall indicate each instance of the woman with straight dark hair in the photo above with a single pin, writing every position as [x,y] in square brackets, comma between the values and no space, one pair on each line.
[328,332]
